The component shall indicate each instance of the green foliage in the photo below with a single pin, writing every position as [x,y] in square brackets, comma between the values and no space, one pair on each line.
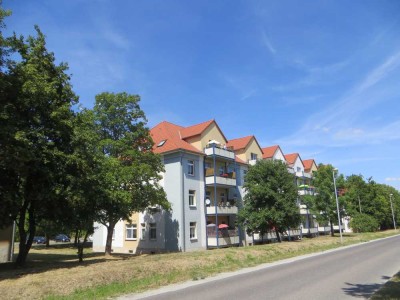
[364,223]
[128,171]
[35,135]
[270,201]
[324,201]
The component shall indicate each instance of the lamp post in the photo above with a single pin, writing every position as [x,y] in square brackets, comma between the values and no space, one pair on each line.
[391,205]
[337,205]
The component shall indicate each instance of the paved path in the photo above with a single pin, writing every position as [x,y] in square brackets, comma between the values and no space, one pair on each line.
[351,272]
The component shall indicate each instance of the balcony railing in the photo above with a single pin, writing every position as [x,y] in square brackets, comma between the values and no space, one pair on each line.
[216,150]
[221,178]
[311,230]
[223,209]
[324,229]
[225,238]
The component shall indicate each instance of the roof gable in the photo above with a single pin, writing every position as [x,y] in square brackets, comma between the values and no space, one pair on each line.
[291,158]
[269,152]
[308,164]
[167,137]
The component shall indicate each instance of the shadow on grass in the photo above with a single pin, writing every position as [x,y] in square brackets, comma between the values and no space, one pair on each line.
[391,289]
[363,290]
[64,257]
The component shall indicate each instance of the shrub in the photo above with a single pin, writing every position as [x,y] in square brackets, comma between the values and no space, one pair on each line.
[364,223]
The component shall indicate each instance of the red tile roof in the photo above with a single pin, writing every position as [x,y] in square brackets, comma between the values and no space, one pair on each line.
[195,129]
[268,152]
[240,143]
[308,163]
[171,134]
[291,158]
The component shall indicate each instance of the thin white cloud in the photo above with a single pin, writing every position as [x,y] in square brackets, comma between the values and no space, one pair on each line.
[267,43]
[341,123]
[379,73]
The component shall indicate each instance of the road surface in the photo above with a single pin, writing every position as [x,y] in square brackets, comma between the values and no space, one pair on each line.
[351,272]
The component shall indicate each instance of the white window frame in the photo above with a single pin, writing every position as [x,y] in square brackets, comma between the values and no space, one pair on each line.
[132,229]
[191,168]
[142,231]
[153,229]
[253,156]
[193,230]
[192,198]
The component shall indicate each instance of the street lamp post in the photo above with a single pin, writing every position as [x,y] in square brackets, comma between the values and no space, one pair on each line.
[391,205]
[337,205]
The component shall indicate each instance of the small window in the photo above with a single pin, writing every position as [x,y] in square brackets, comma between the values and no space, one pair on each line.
[153,231]
[160,144]
[253,156]
[191,167]
[131,232]
[192,198]
[298,169]
[143,231]
[193,231]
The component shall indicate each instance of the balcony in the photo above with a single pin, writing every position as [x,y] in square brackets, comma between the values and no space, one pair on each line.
[225,238]
[302,174]
[222,210]
[221,179]
[311,230]
[221,152]
[252,162]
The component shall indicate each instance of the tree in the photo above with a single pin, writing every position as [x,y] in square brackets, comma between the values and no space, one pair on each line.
[128,172]
[325,200]
[364,223]
[35,134]
[270,202]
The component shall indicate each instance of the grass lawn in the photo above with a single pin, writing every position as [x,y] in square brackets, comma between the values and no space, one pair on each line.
[54,272]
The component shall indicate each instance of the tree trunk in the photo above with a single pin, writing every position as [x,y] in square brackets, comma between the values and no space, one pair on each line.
[110,230]
[277,235]
[76,241]
[332,232]
[24,243]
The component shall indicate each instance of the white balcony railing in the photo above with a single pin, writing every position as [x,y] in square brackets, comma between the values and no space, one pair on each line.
[220,152]
[225,238]
[219,180]
[252,162]
[223,210]
[312,230]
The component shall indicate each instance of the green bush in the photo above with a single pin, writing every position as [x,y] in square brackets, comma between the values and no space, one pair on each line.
[364,223]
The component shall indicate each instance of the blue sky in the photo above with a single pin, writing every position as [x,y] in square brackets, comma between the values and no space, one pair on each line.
[321,78]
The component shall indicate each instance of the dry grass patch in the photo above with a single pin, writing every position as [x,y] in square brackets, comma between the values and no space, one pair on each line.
[55,271]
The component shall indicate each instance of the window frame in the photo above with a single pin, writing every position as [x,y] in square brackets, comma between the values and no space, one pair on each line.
[153,230]
[131,228]
[192,198]
[193,230]
[142,231]
[191,167]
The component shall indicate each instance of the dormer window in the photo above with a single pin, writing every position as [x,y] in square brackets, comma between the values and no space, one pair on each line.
[160,144]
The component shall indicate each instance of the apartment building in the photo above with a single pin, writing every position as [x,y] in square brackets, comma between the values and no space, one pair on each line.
[203,181]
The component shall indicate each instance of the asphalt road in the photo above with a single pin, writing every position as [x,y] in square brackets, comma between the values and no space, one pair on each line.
[350,272]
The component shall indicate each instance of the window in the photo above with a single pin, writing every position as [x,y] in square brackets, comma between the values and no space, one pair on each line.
[253,156]
[192,198]
[208,165]
[153,231]
[298,169]
[143,231]
[222,201]
[191,167]
[193,230]
[131,230]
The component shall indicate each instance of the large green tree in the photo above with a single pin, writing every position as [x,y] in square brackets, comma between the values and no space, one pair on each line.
[270,202]
[35,134]
[324,199]
[129,171]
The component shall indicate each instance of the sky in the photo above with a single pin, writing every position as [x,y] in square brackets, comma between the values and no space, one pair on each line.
[320,78]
